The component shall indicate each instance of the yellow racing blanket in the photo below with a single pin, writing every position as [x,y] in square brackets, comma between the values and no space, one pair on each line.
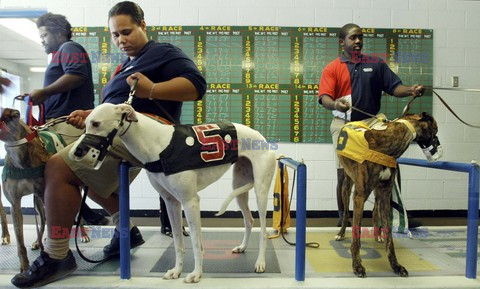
[353,145]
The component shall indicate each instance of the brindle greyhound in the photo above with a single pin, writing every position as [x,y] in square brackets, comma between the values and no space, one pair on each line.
[368,176]
[26,157]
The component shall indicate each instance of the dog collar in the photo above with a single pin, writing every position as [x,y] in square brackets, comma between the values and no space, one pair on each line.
[22,141]
[158,118]
[409,126]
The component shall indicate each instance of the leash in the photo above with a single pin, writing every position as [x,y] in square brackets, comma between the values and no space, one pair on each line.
[52,122]
[369,114]
[451,110]
[454,88]
[407,107]
[129,101]
[366,113]
[282,218]
[77,231]
[35,129]
[29,119]
[133,89]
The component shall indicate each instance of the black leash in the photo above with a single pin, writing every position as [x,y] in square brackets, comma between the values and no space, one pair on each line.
[84,198]
[78,232]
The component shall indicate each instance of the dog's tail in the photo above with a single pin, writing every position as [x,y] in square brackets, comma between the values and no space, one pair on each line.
[235,193]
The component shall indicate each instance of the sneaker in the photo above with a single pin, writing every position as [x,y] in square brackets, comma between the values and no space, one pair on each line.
[113,248]
[93,218]
[45,270]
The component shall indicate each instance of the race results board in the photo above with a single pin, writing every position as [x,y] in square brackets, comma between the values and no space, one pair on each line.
[266,77]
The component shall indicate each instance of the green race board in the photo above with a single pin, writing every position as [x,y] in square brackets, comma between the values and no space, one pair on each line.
[266,77]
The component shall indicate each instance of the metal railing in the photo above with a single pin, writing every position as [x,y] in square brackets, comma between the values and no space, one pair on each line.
[301,214]
[125,272]
[472,217]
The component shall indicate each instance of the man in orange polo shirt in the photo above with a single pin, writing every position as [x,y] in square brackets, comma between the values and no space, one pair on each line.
[359,80]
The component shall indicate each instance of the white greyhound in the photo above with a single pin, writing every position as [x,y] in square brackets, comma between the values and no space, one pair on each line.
[146,139]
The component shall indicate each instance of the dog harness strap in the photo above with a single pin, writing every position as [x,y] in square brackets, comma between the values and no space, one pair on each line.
[382,159]
[24,173]
[155,167]
[52,142]
[409,126]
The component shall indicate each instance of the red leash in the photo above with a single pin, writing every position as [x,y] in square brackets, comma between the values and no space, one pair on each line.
[29,119]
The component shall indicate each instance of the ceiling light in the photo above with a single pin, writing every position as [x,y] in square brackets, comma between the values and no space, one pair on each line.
[38,69]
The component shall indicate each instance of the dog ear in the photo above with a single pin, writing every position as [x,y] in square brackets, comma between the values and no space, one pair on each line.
[128,110]
[426,117]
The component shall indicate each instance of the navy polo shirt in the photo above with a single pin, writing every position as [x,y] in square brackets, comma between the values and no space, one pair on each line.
[364,79]
[71,58]
[159,62]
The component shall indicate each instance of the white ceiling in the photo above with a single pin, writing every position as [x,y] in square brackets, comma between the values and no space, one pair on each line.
[18,49]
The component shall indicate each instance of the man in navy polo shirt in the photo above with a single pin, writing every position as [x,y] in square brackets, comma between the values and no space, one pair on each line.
[68,83]
[359,80]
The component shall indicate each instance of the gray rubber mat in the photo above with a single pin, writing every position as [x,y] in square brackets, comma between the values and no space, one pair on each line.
[218,256]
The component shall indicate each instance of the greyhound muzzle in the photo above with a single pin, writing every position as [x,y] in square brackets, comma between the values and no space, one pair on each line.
[91,149]
[433,150]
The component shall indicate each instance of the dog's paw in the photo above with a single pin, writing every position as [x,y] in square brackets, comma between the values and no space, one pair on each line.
[193,277]
[35,245]
[339,237]
[260,266]
[359,271]
[239,249]
[400,271]
[172,274]
[6,240]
